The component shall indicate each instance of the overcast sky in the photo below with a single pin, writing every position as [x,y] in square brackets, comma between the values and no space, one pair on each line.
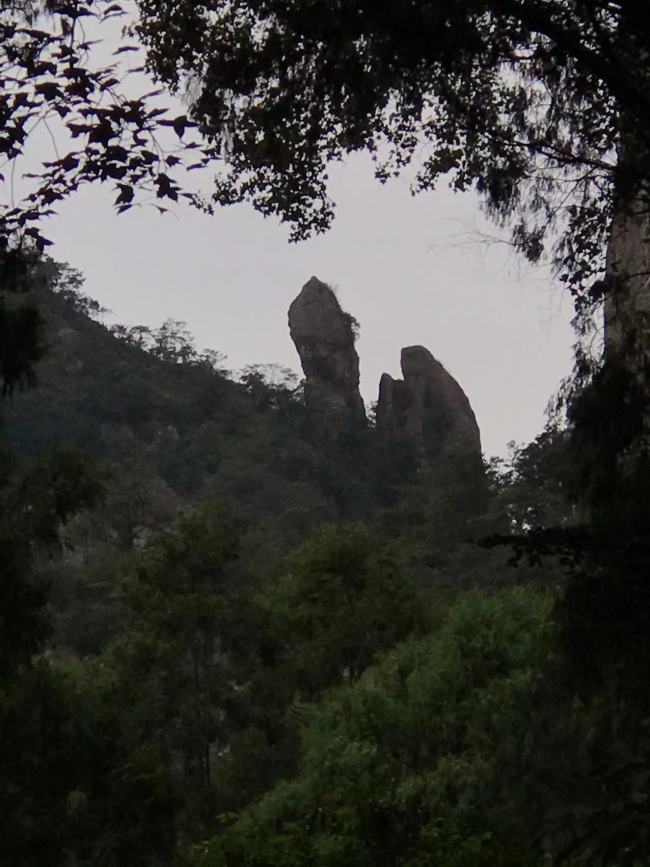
[406,267]
[410,269]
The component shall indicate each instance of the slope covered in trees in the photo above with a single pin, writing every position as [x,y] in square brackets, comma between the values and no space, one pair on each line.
[229,640]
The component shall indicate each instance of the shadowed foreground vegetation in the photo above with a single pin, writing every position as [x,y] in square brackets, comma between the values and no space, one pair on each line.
[228,640]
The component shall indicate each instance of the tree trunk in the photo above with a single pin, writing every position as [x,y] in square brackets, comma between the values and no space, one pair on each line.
[627,301]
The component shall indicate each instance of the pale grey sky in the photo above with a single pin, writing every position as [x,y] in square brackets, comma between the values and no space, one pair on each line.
[402,265]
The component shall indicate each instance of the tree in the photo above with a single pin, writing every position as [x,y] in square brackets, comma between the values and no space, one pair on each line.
[35,500]
[418,761]
[54,84]
[173,673]
[53,80]
[344,599]
[542,107]
[43,753]
[467,747]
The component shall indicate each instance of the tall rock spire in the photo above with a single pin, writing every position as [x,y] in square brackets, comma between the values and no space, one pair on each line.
[324,335]
[426,412]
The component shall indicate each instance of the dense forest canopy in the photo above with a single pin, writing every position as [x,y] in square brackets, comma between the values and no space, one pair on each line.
[231,635]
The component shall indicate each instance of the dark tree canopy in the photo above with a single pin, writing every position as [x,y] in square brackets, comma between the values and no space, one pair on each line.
[540,106]
[157,674]
[102,127]
[523,100]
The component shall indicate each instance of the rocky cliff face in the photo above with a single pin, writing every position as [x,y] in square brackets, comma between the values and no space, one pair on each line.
[426,412]
[324,337]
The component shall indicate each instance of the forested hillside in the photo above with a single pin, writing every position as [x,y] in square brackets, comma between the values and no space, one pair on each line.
[233,638]
[246,621]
